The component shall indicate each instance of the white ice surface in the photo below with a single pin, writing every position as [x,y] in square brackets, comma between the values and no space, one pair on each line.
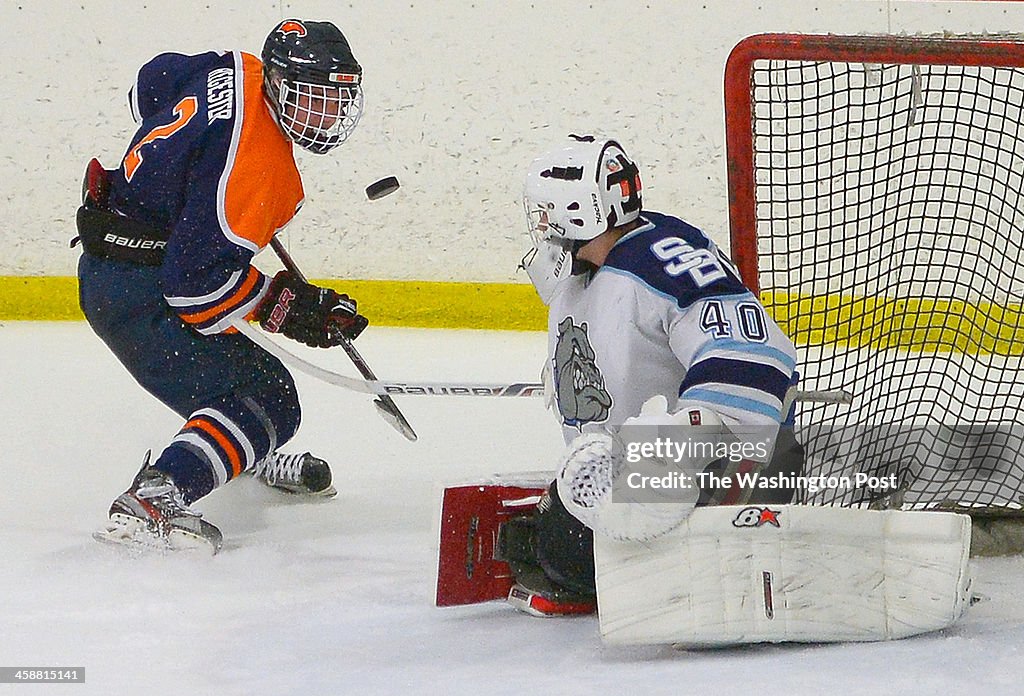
[336,597]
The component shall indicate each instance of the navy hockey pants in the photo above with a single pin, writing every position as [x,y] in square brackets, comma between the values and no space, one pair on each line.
[239,401]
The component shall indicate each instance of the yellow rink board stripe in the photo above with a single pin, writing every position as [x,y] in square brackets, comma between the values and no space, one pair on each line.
[384,302]
[916,324]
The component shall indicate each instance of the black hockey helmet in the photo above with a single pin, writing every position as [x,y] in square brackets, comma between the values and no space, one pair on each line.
[314,83]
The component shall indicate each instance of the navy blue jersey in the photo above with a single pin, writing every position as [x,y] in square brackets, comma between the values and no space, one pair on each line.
[208,163]
[677,260]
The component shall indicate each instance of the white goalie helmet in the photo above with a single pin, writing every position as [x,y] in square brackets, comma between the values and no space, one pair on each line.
[574,193]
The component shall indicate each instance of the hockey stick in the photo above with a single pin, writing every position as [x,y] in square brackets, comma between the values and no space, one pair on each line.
[386,406]
[382,388]
[411,388]
[838,396]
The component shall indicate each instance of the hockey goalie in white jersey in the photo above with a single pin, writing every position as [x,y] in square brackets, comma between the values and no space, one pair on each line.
[642,304]
[650,325]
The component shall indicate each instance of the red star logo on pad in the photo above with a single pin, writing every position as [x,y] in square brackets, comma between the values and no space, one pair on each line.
[769,516]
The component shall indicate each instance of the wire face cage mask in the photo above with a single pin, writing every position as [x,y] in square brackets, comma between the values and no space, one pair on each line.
[549,262]
[319,117]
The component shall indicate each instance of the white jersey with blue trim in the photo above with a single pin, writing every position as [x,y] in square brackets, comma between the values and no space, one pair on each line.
[665,314]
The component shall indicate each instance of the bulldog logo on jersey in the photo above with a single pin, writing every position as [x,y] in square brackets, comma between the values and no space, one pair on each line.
[579,384]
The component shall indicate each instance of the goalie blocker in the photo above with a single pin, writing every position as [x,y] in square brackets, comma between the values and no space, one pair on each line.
[733,575]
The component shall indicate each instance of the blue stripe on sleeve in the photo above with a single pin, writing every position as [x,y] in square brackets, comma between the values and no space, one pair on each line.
[739,372]
[727,344]
[733,402]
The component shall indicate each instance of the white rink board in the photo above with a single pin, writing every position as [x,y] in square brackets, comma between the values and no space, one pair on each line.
[460,96]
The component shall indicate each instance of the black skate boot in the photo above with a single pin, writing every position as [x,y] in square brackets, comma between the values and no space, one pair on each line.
[152,514]
[302,474]
[551,557]
[534,592]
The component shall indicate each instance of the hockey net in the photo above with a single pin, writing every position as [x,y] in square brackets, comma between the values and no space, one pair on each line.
[877,206]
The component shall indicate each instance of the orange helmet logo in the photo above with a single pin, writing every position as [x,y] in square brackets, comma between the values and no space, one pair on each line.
[292,27]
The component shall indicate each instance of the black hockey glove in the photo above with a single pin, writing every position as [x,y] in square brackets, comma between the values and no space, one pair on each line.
[309,314]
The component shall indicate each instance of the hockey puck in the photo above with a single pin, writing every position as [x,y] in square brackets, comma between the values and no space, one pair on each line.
[384,187]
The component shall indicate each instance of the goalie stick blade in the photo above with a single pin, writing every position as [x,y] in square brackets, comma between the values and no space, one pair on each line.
[384,187]
[467,571]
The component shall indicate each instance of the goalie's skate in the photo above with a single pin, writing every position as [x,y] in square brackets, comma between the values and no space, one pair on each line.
[532,591]
[302,474]
[151,515]
[536,595]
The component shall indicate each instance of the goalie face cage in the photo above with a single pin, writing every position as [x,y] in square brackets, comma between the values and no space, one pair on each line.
[875,195]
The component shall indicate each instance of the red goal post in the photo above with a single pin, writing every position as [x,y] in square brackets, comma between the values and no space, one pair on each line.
[876,205]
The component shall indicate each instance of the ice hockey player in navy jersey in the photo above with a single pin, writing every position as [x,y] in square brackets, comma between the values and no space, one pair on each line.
[649,324]
[168,236]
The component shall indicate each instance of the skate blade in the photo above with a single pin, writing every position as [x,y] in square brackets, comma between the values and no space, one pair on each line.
[297,494]
[324,495]
[132,534]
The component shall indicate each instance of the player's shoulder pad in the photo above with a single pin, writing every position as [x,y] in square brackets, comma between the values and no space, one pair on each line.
[169,76]
[674,259]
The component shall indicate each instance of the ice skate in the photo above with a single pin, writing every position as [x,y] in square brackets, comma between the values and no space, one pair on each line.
[152,514]
[532,591]
[543,599]
[301,474]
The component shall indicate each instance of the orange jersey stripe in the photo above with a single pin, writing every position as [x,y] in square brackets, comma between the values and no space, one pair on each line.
[208,427]
[264,188]
[199,317]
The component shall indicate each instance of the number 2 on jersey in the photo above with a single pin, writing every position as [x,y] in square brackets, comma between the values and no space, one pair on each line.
[183,113]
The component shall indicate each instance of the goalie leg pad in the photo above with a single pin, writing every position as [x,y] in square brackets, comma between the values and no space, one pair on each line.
[734,575]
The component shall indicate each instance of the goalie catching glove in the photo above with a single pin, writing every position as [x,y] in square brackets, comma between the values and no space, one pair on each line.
[595,465]
[318,317]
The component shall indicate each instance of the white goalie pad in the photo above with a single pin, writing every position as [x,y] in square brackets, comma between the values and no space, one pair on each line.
[733,575]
